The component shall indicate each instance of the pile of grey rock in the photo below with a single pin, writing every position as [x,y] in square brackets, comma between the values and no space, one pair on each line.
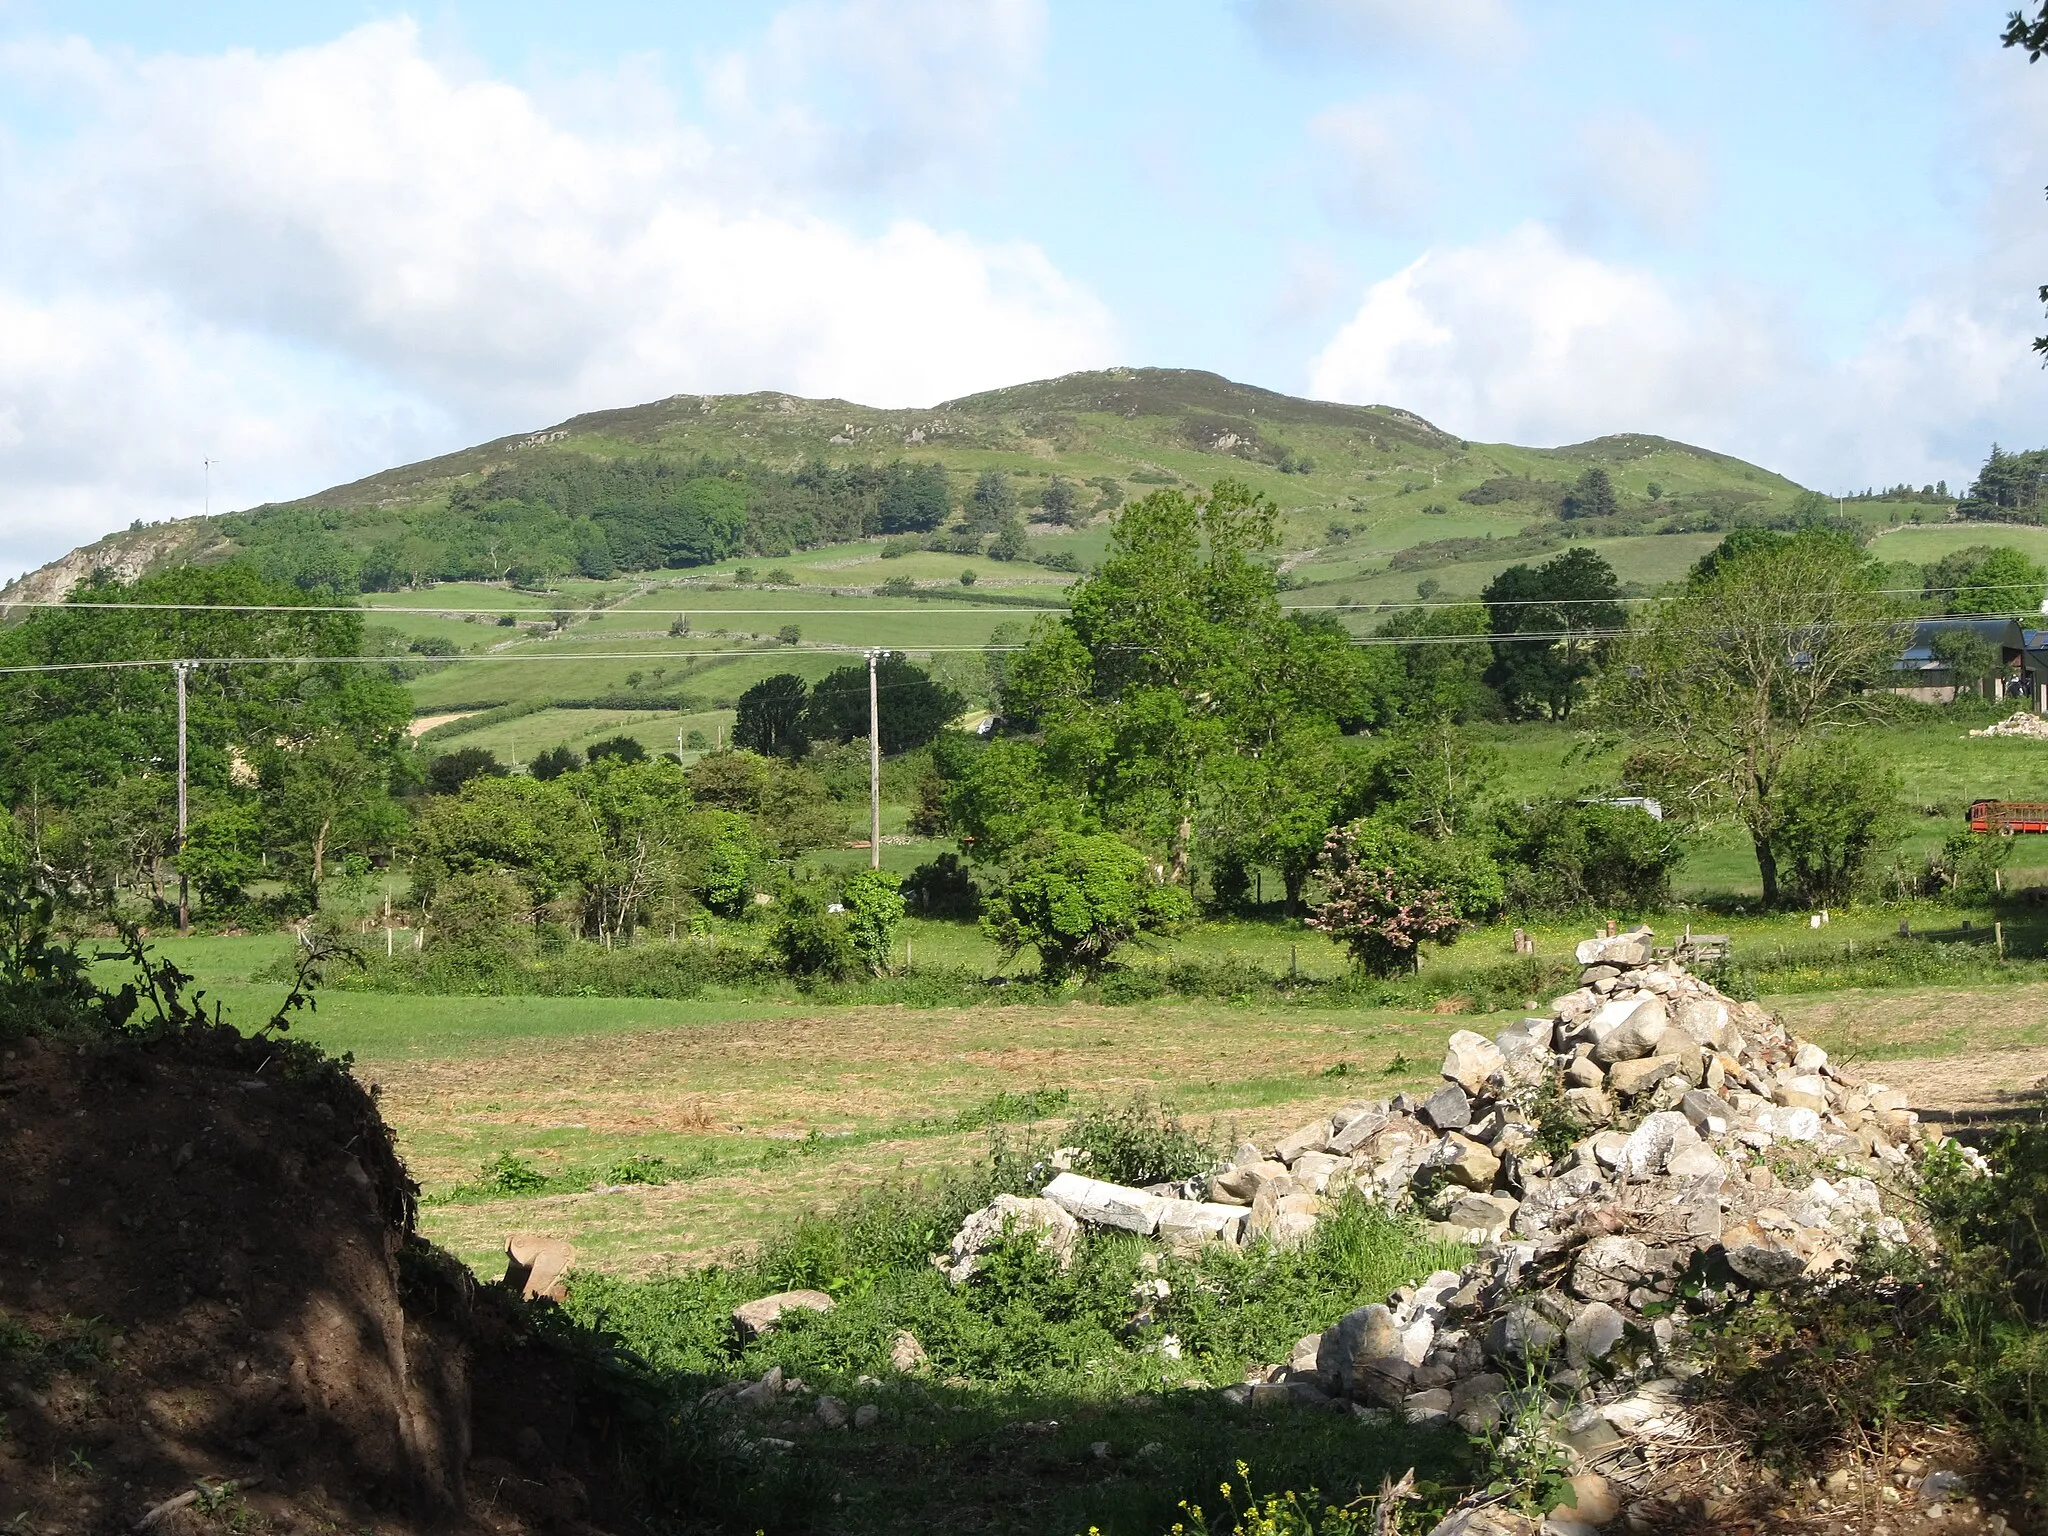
[1650,1135]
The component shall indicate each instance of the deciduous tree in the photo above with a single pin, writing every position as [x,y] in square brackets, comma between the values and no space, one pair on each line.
[1767,649]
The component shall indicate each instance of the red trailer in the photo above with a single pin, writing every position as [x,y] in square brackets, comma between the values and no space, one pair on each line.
[2009,816]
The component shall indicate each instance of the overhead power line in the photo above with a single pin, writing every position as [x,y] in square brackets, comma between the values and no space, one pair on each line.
[1356,605]
[1790,628]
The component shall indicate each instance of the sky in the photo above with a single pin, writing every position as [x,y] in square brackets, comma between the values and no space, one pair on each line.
[307,242]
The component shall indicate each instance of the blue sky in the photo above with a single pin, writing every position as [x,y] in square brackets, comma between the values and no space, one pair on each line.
[308,241]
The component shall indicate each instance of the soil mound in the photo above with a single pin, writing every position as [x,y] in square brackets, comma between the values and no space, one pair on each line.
[212,1298]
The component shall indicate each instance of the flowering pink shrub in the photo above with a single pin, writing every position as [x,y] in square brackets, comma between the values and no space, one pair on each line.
[1386,891]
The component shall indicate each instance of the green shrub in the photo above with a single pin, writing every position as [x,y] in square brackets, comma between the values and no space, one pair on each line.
[943,888]
[509,1175]
[874,908]
[810,942]
[1137,1145]
[1567,857]
[1078,898]
[1837,803]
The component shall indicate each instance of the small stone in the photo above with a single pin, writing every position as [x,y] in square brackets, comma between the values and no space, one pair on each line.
[1651,1143]
[866,1416]
[1710,1115]
[1764,1259]
[1427,1406]
[1313,1137]
[1593,1332]
[1099,1450]
[1705,1021]
[1608,1268]
[759,1394]
[1624,951]
[1240,1184]
[1353,1132]
[1105,1205]
[1800,1091]
[1448,1109]
[758,1317]
[1585,1072]
[536,1265]
[1464,1161]
[1470,1060]
[1630,1078]
[1809,1058]
[905,1353]
[1695,1160]
[831,1412]
[1314,1170]
[1590,1106]
[1519,1333]
[1592,1502]
[1187,1224]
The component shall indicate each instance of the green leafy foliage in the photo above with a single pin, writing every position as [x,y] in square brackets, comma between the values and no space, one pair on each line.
[809,941]
[772,718]
[1562,856]
[64,734]
[913,708]
[1563,606]
[1838,802]
[1723,702]
[448,772]
[1986,579]
[874,907]
[1137,1144]
[1076,899]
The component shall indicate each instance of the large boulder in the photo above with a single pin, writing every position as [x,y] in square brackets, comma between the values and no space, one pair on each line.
[1624,951]
[1628,1029]
[1055,1229]
[1102,1204]
[755,1318]
[1470,1060]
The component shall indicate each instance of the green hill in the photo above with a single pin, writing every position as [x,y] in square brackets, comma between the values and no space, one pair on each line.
[689,480]
[708,525]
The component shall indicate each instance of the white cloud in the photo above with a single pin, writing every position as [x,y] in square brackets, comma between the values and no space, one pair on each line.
[346,244]
[868,92]
[1374,28]
[1630,170]
[108,407]
[1525,339]
[1367,151]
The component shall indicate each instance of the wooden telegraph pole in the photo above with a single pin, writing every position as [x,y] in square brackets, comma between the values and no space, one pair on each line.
[179,669]
[874,763]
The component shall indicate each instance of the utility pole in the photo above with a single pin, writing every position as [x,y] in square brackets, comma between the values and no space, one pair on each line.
[207,464]
[179,669]
[874,764]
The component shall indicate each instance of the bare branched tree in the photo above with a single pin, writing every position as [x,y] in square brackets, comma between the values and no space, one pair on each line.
[1762,654]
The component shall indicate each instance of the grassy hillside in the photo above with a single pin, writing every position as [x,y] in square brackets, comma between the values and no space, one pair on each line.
[1371,480]
[778,511]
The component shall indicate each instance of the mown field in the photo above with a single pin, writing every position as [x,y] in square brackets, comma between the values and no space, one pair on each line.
[655,1132]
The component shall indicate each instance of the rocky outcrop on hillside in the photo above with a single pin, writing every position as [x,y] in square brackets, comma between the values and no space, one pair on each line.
[128,555]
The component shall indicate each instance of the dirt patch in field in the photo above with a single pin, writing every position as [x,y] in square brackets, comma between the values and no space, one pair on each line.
[424,723]
[1965,1059]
